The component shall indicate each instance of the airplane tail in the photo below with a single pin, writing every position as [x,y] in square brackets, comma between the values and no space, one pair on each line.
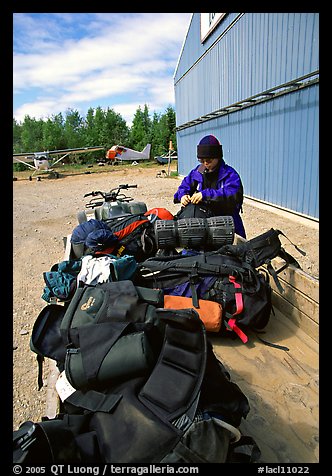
[147,150]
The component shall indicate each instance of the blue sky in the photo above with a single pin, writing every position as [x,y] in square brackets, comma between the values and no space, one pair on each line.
[76,61]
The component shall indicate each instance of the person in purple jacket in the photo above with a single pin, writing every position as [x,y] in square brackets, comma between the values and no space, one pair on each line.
[213,183]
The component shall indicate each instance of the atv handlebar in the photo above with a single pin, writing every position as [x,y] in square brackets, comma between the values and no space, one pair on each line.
[112,196]
[125,186]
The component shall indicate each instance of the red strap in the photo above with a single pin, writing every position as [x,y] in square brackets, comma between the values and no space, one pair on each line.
[128,229]
[238,296]
[239,308]
[105,251]
[237,330]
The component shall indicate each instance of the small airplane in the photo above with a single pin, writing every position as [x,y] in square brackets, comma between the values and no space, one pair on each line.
[118,153]
[165,158]
[42,162]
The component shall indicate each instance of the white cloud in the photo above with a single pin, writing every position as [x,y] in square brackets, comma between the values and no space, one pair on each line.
[127,55]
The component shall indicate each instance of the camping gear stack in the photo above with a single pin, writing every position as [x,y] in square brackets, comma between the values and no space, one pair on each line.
[129,332]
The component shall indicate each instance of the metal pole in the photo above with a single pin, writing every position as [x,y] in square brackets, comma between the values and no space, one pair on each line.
[170,148]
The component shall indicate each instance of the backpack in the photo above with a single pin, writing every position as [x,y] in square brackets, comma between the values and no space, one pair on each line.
[128,235]
[138,383]
[261,249]
[193,210]
[243,292]
[232,276]
[89,236]
[135,235]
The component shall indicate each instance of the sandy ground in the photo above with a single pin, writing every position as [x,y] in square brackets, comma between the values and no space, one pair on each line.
[45,211]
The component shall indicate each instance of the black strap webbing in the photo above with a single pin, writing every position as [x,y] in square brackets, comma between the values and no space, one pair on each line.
[94,401]
[40,361]
[270,344]
[273,273]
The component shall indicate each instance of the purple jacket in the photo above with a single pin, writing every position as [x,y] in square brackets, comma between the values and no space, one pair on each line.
[226,198]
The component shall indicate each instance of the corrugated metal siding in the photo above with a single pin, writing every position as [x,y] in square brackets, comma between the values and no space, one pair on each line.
[193,49]
[274,145]
[260,51]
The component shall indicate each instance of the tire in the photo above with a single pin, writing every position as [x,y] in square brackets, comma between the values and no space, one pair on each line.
[98,214]
[81,217]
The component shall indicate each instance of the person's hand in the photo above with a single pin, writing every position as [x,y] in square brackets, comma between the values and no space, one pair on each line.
[185,200]
[196,198]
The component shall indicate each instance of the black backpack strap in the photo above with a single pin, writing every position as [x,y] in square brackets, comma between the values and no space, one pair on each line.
[270,344]
[288,258]
[303,253]
[182,359]
[274,273]
[192,280]
[40,361]
[94,401]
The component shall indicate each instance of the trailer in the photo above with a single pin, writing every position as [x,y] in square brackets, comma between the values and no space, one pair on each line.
[281,386]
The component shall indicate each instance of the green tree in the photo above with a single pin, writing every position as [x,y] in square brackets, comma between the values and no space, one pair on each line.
[99,128]
[141,130]
[157,147]
[116,129]
[171,125]
[73,128]
[163,131]
[53,133]
[17,137]
[100,125]
[89,130]
[105,128]
[32,134]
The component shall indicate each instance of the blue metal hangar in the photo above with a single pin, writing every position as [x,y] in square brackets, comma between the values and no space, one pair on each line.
[252,80]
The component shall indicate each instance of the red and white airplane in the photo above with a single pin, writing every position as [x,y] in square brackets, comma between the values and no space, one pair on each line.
[43,162]
[118,153]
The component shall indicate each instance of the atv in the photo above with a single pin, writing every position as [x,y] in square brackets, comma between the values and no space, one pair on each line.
[111,205]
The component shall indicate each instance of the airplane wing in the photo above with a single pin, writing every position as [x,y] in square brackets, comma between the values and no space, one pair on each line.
[80,150]
[43,162]
[30,156]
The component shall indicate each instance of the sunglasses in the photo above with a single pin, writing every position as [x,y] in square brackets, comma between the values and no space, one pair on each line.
[208,161]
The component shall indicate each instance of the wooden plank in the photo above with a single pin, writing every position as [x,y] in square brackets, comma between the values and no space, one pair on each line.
[282,389]
[67,247]
[299,279]
[298,299]
[302,320]
[52,397]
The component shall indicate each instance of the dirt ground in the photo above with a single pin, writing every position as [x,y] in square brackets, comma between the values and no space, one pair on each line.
[45,211]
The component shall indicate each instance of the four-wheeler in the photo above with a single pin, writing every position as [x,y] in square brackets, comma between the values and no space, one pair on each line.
[110,205]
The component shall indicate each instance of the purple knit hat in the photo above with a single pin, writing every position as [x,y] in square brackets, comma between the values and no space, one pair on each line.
[209,148]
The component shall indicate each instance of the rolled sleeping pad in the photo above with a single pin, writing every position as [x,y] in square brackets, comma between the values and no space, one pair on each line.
[195,233]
